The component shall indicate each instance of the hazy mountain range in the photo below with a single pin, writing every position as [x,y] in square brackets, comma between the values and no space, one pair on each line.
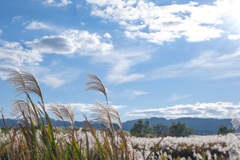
[199,125]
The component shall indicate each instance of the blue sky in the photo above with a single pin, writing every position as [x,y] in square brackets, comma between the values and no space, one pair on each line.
[156,58]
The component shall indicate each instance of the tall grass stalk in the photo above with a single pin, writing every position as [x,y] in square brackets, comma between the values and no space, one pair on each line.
[34,137]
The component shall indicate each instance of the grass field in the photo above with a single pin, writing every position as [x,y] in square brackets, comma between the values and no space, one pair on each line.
[36,138]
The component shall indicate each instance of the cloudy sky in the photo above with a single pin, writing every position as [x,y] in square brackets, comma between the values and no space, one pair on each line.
[156,58]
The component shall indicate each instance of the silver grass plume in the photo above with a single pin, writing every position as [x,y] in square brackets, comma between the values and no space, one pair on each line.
[20,107]
[94,83]
[25,82]
[102,114]
[114,116]
[56,111]
[236,122]
[63,112]
[106,115]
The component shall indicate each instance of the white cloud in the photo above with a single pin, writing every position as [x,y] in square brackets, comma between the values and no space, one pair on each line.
[1,32]
[83,107]
[49,1]
[17,18]
[37,26]
[118,107]
[209,65]
[176,97]
[234,36]
[107,35]
[70,42]
[54,76]
[134,93]
[57,3]
[74,42]
[13,53]
[88,43]
[53,44]
[4,71]
[200,110]
[144,19]
[46,75]
[196,33]
[193,21]
[154,37]
[123,77]
[58,79]
[121,63]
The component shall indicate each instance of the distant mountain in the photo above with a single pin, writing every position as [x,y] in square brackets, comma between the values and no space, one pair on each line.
[199,125]
[55,123]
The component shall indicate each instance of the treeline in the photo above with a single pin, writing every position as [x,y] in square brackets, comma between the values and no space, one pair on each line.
[178,129]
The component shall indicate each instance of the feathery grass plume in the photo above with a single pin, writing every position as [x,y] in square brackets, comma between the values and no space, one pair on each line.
[102,114]
[67,112]
[63,112]
[56,111]
[21,106]
[236,122]
[94,83]
[105,115]
[25,82]
[115,116]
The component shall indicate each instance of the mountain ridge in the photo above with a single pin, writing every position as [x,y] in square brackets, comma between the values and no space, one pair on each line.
[199,125]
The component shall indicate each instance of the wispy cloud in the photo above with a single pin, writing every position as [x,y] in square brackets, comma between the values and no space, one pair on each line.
[208,65]
[1,32]
[176,97]
[121,63]
[13,53]
[118,107]
[4,71]
[17,18]
[57,3]
[84,107]
[200,110]
[75,43]
[31,53]
[55,76]
[35,25]
[59,78]
[51,77]
[146,20]
[134,93]
[68,43]
[81,106]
